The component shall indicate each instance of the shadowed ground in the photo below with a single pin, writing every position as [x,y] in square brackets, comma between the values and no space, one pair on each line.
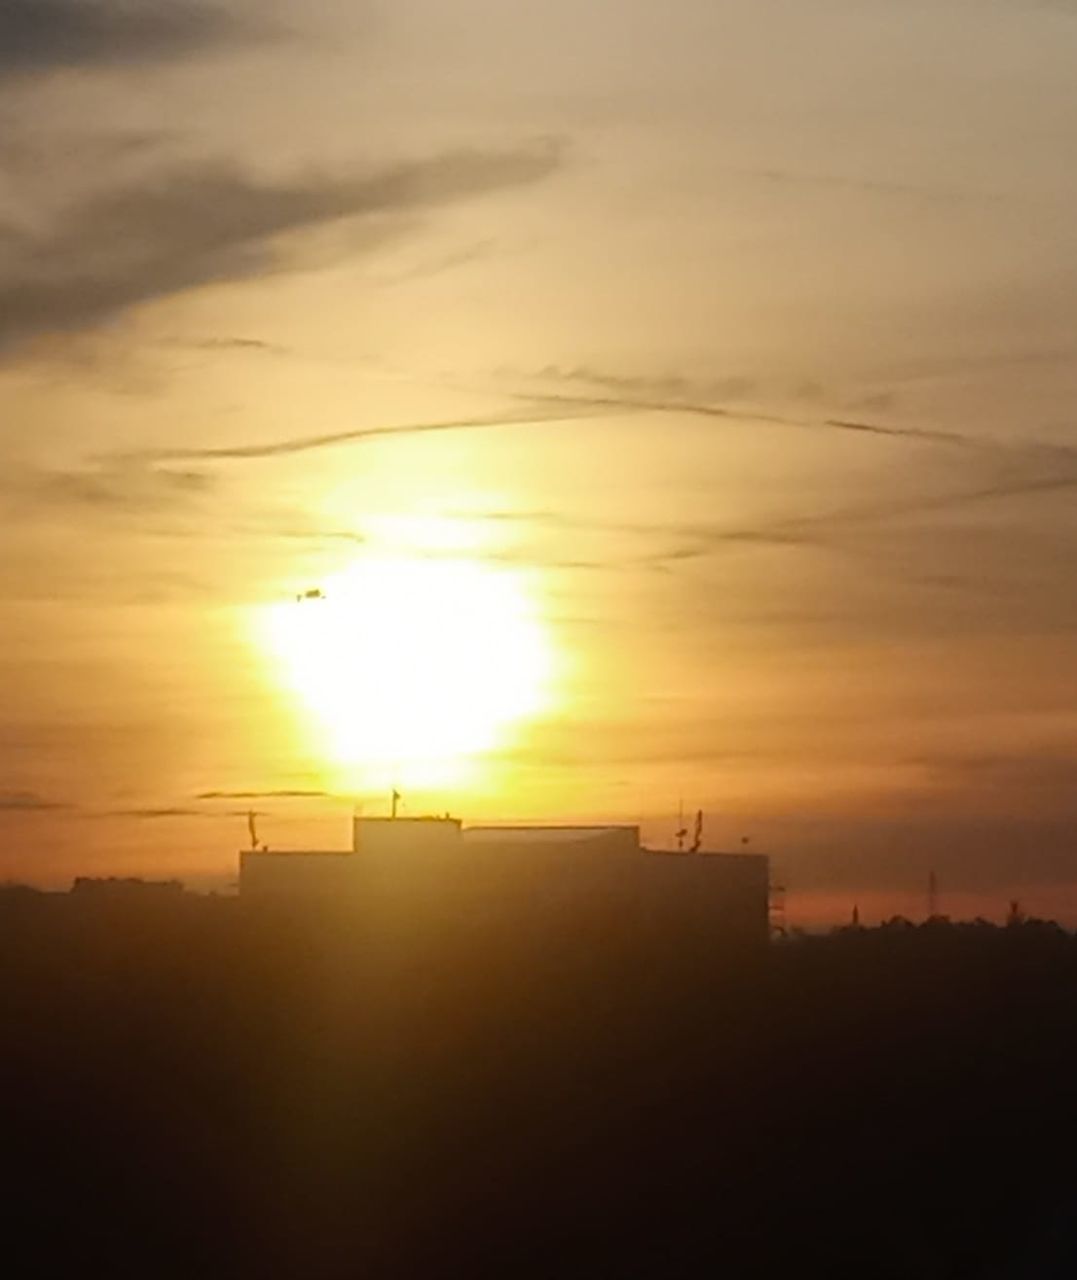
[192,1088]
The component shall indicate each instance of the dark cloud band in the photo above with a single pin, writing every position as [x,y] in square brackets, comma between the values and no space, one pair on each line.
[38,35]
[213,223]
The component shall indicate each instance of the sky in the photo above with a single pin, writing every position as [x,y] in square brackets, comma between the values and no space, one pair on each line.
[694,379]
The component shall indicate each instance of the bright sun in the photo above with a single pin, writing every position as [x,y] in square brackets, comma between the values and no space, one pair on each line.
[410,667]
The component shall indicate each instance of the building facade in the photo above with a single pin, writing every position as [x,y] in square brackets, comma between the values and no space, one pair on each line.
[594,878]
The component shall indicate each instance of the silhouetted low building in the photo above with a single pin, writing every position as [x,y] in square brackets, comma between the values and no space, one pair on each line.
[125,887]
[596,877]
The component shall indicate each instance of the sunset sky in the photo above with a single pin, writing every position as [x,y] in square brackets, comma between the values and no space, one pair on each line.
[695,379]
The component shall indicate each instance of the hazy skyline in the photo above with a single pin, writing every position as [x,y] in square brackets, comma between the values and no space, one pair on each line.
[738,339]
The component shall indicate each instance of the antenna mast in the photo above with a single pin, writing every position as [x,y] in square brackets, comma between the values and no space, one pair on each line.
[682,830]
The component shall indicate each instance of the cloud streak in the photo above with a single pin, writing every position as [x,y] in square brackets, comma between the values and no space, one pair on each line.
[212,223]
[261,795]
[28,802]
[332,439]
[639,404]
[817,529]
[116,486]
[154,814]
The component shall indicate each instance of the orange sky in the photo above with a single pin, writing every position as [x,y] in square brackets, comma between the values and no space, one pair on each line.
[757,321]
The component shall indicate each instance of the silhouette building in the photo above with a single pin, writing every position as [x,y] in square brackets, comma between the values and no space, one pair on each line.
[117,888]
[596,877]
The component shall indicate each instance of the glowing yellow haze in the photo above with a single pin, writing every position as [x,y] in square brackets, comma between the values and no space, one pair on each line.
[411,667]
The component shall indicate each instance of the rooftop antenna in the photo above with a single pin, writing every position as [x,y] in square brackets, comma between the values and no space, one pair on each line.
[252,827]
[682,830]
[697,835]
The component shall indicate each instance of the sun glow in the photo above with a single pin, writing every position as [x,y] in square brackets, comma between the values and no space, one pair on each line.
[411,667]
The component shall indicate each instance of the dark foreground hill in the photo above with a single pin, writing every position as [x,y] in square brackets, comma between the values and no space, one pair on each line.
[191,1089]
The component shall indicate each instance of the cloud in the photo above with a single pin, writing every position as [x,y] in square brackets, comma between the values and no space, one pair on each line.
[164,813]
[261,795]
[1013,487]
[1020,469]
[39,35]
[324,440]
[1027,772]
[116,486]
[1040,781]
[651,386]
[238,344]
[430,267]
[29,151]
[212,223]
[153,814]
[930,434]
[28,802]
[693,408]
[840,530]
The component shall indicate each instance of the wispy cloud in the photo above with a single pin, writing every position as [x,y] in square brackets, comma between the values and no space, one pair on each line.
[154,814]
[28,802]
[836,528]
[238,344]
[428,267]
[280,794]
[167,813]
[639,404]
[113,486]
[1042,779]
[933,435]
[330,439]
[27,151]
[655,386]
[205,223]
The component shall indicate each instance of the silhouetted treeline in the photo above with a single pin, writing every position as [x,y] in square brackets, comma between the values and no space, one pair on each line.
[196,1088]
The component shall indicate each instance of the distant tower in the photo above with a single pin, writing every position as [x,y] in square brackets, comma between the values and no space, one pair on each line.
[697,835]
[856,915]
[252,828]
[396,801]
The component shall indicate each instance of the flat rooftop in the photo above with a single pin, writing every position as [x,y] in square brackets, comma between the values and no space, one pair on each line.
[297,853]
[545,835]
